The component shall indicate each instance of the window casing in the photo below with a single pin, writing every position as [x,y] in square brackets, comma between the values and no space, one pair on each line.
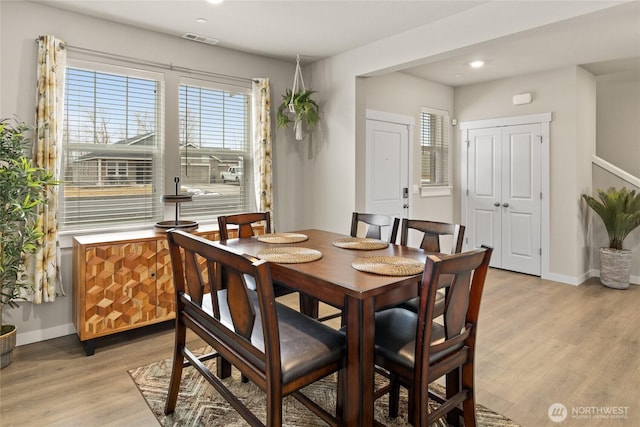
[434,145]
[215,149]
[112,163]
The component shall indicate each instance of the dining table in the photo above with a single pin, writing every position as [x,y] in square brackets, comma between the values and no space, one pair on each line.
[333,280]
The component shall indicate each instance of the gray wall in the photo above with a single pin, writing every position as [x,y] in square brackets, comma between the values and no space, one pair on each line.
[618,122]
[568,93]
[22,22]
[403,94]
[618,142]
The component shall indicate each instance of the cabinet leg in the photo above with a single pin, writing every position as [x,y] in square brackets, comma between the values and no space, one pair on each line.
[89,347]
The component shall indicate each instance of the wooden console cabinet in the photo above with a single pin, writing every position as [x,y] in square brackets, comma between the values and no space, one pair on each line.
[123,281]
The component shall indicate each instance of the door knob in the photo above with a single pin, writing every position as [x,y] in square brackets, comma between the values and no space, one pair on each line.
[506,205]
[496,204]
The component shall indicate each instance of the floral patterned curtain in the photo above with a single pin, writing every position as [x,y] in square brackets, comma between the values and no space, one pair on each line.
[43,268]
[262,145]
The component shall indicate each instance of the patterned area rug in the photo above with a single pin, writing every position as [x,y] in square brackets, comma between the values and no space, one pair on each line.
[199,404]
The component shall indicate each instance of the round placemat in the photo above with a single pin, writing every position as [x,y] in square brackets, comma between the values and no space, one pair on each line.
[360,243]
[289,255]
[282,237]
[388,265]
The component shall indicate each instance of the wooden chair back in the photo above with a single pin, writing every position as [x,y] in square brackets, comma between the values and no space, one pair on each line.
[244,222]
[243,328]
[454,353]
[440,349]
[374,224]
[432,232]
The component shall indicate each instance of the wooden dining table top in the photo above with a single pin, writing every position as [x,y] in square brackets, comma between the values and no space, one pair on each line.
[332,277]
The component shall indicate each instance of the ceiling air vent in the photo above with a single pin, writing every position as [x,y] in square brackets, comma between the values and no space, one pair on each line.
[201,39]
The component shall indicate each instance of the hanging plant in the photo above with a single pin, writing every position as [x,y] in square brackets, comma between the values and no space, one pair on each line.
[297,106]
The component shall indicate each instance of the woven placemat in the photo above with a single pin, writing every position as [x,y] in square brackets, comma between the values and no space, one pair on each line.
[289,255]
[388,265]
[360,243]
[283,237]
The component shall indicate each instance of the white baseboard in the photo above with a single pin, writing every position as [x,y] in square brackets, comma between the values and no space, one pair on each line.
[44,334]
[577,281]
[574,281]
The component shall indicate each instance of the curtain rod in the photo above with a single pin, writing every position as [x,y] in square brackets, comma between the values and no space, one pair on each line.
[169,66]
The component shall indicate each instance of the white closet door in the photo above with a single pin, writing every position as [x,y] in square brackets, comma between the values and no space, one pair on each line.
[521,201]
[483,207]
[503,202]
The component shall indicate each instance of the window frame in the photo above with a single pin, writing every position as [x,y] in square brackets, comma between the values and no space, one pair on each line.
[443,187]
[245,155]
[157,155]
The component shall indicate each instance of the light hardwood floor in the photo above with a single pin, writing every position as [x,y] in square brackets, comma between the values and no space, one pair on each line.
[539,343]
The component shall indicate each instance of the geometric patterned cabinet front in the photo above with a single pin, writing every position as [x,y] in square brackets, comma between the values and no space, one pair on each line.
[123,281]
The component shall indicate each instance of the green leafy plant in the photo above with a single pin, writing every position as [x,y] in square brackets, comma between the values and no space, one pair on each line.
[298,108]
[619,210]
[22,191]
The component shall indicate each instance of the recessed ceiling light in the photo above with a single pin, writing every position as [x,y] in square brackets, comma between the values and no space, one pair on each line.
[201,20]
[476,64]
[215,1]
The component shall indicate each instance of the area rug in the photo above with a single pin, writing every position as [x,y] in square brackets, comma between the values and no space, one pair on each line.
[199,404]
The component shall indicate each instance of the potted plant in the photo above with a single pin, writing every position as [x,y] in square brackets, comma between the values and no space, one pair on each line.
[22,190]
[298,108]
[620,213]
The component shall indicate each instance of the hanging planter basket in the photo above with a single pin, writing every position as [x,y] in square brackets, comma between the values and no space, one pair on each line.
[297,107]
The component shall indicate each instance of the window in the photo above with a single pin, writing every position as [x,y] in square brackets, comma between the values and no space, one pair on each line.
[215,149]
[112,162]
[434,144]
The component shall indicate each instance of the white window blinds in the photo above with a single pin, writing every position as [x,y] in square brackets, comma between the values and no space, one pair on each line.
[112,143]
[434,144]
[215,149]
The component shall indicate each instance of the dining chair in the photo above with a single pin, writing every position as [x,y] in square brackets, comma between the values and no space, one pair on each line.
[244,221]
[374,224]
[279,349]
[416,351]
[432,231]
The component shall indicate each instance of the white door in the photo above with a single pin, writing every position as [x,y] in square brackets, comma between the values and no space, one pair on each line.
[504,202]
[484,172]
[521,198]
[387,168]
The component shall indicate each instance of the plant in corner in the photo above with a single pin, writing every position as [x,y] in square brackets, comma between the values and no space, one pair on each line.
[22,190]
[298,108]
[619,210]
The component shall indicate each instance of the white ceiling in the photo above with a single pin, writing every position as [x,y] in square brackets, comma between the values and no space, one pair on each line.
[316,29]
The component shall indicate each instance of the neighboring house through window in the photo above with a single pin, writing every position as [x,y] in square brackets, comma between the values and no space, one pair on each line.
[113,143]
[215,148]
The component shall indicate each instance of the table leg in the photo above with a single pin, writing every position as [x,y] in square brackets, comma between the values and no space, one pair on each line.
[360,362]
[308,305]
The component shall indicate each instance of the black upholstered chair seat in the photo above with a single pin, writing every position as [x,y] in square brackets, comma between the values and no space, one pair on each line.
[305,344]
[396,337]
